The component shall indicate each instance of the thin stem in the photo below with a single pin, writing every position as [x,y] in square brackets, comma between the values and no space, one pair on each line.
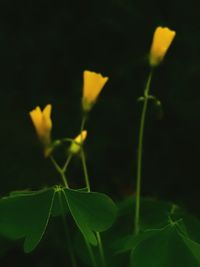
[101,251]
[87,181]
[60,171]
[139,154]
[64,169]
[83,121]
[64,180]
[55,164]
[91,253]
[69,140]
[69,241]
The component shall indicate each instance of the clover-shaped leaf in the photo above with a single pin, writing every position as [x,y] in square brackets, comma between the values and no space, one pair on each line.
[25,215]
[92,212]
[166,247]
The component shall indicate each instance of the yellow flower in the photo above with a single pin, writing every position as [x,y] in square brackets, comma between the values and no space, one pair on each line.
[43,125]
[78,141]
[162,40]
[93,83]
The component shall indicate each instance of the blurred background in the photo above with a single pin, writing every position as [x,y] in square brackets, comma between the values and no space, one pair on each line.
[44,49]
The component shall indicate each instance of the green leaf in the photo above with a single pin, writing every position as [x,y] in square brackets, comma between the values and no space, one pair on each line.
[128,242]
[92,212]
[193,246]
[166,247]
[153,213]
[26,215]
[59,206]
[191,223]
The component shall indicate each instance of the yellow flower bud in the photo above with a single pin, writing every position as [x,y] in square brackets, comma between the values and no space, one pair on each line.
[93,83]
[43,125]
[78,141]
[162,40]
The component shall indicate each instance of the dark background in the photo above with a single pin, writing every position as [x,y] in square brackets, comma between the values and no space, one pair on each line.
[44,49]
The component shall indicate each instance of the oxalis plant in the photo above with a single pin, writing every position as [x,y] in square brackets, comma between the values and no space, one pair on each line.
[138,232]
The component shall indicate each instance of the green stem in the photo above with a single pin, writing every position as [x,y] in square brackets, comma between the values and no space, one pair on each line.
[69,242]
[101,251]
[91,253]
[87,181]
[139,154]
[83,121]
[64,169]
[60,171]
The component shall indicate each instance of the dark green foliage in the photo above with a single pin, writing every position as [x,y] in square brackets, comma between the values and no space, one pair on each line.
[168,235]
[26,214]
[91,212]
[166,247]
[166,238]
[59,206]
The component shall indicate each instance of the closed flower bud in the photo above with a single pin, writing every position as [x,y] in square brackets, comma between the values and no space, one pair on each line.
[78,142]
[162,40]
[43,125]
[93,83]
